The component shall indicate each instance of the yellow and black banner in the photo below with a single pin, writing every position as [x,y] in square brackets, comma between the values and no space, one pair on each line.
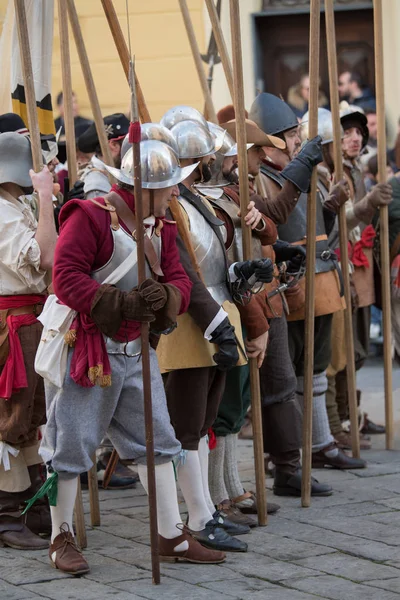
[40,20]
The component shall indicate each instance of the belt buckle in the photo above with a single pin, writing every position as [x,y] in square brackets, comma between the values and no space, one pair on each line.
[326,254]
[130,355]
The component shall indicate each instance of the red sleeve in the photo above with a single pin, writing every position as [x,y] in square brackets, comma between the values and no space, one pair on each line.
[171,266]
[75,255]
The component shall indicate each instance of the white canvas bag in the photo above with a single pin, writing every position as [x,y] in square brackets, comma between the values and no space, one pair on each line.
[52,353]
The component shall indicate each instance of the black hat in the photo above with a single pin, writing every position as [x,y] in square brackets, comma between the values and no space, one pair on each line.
[116,126]
[12,122]
[272,114]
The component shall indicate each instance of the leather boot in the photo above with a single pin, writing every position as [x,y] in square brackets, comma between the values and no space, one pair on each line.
[196,553]
[64,554]
[287,484]
[38,518]
[282,427]
[13,531]
[339,461]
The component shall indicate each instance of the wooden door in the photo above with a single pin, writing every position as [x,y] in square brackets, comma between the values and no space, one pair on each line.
[283,41]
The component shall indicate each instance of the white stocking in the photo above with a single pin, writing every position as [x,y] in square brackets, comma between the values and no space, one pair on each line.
[191,484]
[168,515]
[204,452]
[62,513]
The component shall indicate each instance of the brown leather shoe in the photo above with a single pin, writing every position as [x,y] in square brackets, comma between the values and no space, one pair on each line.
[234,514]
[196,553]
[340,461]
[343,440]
[252,508]
[15,534]
[64,554]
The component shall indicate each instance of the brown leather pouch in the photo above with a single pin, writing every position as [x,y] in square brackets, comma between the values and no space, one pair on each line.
[295,297]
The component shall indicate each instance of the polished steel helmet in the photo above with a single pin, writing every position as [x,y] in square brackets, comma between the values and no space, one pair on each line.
[325,127]
[160,166]
[15,159]
[193,139]
[182,113]
[152,131]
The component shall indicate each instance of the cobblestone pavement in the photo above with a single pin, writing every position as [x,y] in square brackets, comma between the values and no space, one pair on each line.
[346,546]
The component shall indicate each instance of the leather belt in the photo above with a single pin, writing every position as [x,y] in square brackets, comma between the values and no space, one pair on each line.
[318,238]
[131,349]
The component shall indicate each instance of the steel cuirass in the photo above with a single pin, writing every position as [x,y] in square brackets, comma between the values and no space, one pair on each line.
[295,229]
[235,250]
[209,252]
[124,244]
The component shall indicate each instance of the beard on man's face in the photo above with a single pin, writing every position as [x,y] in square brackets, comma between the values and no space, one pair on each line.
[206,173]
[232,175]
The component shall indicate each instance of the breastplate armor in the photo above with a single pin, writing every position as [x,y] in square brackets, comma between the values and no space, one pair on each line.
[295,229]
[209,253]
[124,244]
[235,250]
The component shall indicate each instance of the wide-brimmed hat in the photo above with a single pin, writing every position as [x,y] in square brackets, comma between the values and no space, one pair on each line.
[116,126]
[255,135]
[159,166]
[15,159]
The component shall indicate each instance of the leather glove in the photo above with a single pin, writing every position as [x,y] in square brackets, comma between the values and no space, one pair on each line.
[110,307]
[285,251]
[76,193]
[165,321]
[339,194]
[296,262]
[262,268]
[364,209]
[153,293]
[300,169]
[381,194]
[135,308]
[227,355]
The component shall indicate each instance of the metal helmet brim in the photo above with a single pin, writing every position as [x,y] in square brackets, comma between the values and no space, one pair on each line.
[234,150]
[159,166]
[15,159]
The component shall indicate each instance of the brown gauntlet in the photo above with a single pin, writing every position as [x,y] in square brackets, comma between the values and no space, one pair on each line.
[167,315]
[110,307]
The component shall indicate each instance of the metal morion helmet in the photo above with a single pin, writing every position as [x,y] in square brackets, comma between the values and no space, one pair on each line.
[182,113]
[152,131]
[272,114]
[355,115]
[325,127]
[193,139]
[15,159]
[160,166]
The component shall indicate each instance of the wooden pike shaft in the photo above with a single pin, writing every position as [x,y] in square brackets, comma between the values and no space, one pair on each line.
[384,223]
[221,45]
[247,253]
[197,61]
[26,63]
[310,264]
[95,519]
[145,332]
[123,52]
[80,518]
[90,87]
[67,92]
[344,256]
